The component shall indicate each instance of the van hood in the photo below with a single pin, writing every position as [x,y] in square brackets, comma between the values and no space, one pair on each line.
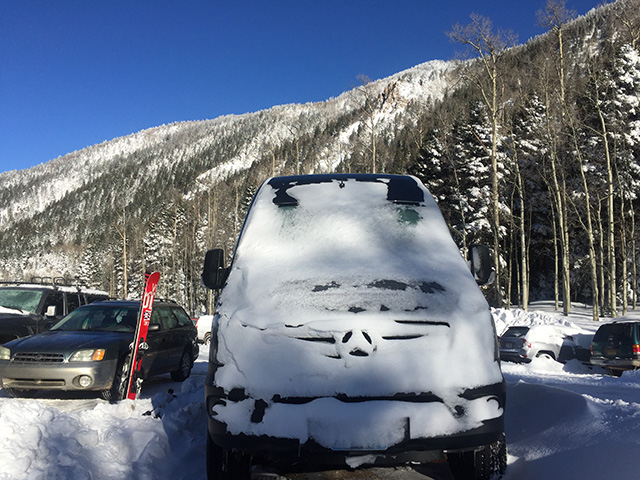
[344,292]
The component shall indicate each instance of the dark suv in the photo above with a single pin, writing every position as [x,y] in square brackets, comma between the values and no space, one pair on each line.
[28,308]
[616,347]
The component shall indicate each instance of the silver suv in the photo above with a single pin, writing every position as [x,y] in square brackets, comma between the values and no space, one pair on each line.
[523,343]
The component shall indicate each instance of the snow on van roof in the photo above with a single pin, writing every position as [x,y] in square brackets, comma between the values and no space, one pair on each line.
[352,239]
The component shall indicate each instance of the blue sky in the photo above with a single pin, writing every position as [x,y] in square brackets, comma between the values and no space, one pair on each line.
[74,73]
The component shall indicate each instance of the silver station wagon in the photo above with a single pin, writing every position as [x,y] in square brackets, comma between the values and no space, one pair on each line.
[88,350]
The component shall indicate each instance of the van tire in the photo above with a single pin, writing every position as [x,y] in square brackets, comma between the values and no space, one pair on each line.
[486,463]
[226,465]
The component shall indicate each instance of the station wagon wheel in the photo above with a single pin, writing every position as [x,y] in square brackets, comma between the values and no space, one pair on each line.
[119,385]
[184,369]
[19,393]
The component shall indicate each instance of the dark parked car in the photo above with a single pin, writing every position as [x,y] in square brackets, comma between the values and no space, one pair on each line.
[616,347]
[89,349]
[28,308]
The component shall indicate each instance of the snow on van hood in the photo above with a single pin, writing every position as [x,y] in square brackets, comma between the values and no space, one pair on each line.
[342,291]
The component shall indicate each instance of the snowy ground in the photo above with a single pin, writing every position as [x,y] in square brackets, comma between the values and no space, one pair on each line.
[562,422]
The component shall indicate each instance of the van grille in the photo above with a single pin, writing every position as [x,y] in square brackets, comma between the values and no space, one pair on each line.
[38,358]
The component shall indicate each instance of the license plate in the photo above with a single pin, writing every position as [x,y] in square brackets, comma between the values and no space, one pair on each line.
[508,344]
[611,352]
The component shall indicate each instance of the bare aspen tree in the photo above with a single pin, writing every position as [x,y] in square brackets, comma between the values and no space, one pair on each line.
[212,218]
[629,18]
[122,232]
[623,244]
[634,267]
[588,228]
[490,47]
[524,260]
[554,16]
[604,134]
[601,266]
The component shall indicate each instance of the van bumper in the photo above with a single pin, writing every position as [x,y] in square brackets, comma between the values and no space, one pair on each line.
[616,363]
[311,453]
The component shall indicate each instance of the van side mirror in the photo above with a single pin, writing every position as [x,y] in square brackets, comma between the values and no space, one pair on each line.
[479,258]
[214,273]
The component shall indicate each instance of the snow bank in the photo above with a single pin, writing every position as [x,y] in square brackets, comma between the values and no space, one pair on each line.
[554,433]
[92,439]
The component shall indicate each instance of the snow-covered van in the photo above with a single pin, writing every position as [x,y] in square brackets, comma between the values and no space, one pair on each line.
[350,332]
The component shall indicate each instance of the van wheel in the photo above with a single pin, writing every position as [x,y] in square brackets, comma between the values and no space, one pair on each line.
[184,369]
[488,462]
[226,465]
[207,338]
[118,387]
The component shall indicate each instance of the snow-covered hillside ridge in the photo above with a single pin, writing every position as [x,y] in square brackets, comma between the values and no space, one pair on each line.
[31,191]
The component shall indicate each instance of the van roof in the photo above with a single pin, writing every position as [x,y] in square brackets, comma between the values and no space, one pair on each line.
[402,189]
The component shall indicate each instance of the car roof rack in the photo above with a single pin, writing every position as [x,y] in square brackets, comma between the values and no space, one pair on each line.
[48,282]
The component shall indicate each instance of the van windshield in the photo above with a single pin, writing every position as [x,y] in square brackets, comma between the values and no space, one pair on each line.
[343,246]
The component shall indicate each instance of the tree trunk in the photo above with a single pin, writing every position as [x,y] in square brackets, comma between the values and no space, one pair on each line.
[524,267]
[611,247]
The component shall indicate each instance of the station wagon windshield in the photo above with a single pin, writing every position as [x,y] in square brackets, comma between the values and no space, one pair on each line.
[100,318]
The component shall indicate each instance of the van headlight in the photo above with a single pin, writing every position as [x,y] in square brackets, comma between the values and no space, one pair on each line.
[5,353]
[88,355]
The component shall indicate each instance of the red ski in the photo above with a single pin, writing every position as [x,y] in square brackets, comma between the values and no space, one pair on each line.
[140,338]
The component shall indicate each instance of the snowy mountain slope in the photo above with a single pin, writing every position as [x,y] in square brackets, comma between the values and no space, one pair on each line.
[33,190]
[53,215]
[159,198]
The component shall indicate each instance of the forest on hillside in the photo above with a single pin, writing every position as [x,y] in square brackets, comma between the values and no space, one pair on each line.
[531,149]
[539,156]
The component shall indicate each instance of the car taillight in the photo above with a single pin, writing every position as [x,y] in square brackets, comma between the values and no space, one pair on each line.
[636,349]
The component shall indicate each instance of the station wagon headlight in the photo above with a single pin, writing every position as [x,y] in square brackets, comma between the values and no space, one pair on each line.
[88,355]
[5,353]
